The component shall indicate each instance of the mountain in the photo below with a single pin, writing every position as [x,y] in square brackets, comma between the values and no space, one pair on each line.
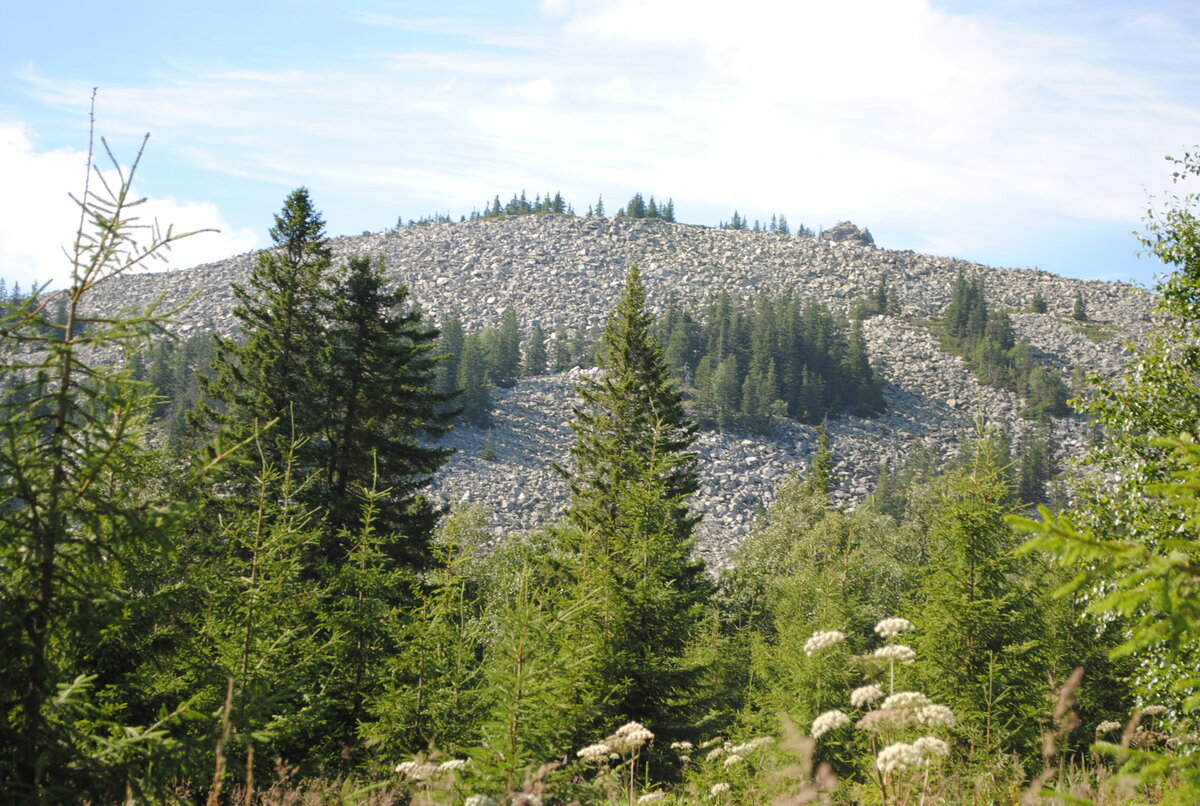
[568,271]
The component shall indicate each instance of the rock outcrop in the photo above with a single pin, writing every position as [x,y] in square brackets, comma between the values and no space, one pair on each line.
[561,271]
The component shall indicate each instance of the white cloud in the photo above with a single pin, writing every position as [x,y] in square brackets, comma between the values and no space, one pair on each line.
[958,129]
[40,219]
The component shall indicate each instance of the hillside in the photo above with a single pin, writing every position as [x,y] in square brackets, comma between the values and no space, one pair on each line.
[568,271]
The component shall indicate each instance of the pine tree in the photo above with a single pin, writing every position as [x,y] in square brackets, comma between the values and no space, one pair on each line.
[629,488]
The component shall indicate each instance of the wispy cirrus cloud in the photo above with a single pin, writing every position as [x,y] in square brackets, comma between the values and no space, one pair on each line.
[948,127]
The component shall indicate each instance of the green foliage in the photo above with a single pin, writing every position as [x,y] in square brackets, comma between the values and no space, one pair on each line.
[517,205]
[270,374]
[1079,308]
[751,364]
[343,365]
[638,207]
[1131,540]
[988,343]
[629,522]
[504,357]
[474,397]
[75,516]
[379,412]
[981,611]
[535,361]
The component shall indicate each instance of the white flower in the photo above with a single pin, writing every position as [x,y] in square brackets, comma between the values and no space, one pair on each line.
[891,627]
[652,797]
[714,754]
[480,800]
[452,765]
[711,742]
[685,759]
[416,770]
[830,720]
[1108,726]
[898,757]
[896,652]
[719,789]
[731,759]
[822,640]
[595,752]
[931,746]
[864,695]
[681,745]
[629,737]
[936,715]
[891,719]
[1154,710]
[905,699]
[752,745]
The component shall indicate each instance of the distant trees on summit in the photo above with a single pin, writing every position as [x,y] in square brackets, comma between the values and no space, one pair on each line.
[639,206]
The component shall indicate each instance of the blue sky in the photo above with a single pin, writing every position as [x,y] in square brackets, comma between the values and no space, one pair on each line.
[1010,132]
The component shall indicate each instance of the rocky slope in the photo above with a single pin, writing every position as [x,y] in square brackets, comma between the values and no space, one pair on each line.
[569,271]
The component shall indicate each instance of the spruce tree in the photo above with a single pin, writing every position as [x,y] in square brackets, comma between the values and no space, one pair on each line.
[632,478]
[1079,308]
[271,374]
[379,409]
[505,358]
[535,352]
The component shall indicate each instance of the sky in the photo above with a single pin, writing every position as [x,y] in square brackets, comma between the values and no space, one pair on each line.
[1008,132]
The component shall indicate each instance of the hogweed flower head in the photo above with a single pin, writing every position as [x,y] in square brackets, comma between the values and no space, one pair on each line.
[731,759]
[416,770]
[906,699]
[932,747]
[719,789]
[652,797]
[752,745]
[891,627]
[480,800]
[894,652]
[898,757]
[714,754]
[452,765]
[595,753]
[864,695]
[830,720]
[629,737]
[1154,710]
[936,716]
[681,745]
[1107,726]
[886,720]
[823,640]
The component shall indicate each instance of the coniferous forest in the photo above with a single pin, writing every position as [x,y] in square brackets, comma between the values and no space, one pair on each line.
[239,592]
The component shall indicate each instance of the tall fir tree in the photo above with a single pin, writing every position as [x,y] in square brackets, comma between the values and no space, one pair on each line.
[633,475]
